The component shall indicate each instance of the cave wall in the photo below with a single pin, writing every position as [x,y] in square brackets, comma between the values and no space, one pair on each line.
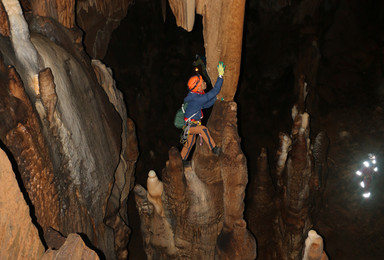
[66,127]
[98,19]
[19,237]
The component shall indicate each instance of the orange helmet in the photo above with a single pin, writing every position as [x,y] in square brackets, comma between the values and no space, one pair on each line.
[195,82]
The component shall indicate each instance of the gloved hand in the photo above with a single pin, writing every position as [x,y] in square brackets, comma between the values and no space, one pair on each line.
[221,69]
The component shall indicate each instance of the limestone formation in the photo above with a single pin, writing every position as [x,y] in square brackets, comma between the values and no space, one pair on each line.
[22,134]
[185,12]
[203,204]
[155,190]
[116,215]
[223,34]
[72,141]
[98,19]
[61,11]
[73,248]
[314,247]
[19,238]
[299,180]
[4,26]
[23,48]
[47,91]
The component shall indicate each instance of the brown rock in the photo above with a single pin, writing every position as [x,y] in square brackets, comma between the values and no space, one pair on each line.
[19,238]
[98,19]
[314,247]
[53,238]
[73,248]
[4,24]
[74,151]
[300,183]
[223,34]
[24,139]
[48,92]
[61,11]
[203,204]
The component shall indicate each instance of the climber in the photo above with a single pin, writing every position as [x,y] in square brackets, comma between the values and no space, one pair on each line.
[197,100]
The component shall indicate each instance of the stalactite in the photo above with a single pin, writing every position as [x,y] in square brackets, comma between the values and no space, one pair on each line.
[48,92]
[184,10]
[23,48]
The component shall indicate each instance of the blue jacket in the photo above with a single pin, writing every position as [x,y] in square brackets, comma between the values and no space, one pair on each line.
[197,102]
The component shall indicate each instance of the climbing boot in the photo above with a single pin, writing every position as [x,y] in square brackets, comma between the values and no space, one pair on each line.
[216,150]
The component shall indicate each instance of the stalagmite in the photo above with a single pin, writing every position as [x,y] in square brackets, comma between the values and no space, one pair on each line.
[299,170]
[282,154]
[155,190]
[314,247]
[158,236]
[203,203]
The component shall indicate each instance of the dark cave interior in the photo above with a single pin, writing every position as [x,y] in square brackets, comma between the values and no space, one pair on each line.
[152,60]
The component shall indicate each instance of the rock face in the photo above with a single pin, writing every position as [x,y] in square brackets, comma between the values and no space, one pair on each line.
[73,248]
[73,144]
[19,238]
[98,19]
[61,11]
[223,34]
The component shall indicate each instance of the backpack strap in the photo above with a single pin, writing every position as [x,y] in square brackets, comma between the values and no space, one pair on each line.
[189,118]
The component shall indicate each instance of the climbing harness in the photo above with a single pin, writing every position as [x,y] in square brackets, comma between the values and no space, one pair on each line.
[187,126]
